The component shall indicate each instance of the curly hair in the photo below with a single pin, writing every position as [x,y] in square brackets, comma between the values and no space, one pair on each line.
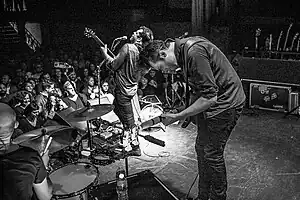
[146,35]
[151,51]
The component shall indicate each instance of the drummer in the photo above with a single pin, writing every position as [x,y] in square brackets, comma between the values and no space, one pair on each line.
[23,172]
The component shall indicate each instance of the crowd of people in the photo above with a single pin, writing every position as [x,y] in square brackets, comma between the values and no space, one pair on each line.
[36,88]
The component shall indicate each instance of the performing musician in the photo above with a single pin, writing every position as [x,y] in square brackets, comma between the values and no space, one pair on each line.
[23,173]
[218,102]
[126,68]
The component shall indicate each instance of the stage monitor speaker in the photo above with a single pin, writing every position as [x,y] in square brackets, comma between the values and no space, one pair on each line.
[144,185]
[269,97]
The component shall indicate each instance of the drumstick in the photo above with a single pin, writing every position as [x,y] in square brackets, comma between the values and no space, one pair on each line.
[47,146]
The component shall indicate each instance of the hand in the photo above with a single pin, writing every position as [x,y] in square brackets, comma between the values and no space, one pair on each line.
[169,118]
[104,50]
[46,159]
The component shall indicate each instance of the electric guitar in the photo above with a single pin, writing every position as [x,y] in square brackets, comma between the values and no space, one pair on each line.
[278,41]
[91,34]
[298,45]
[257,34]
[294,38]
[287,36]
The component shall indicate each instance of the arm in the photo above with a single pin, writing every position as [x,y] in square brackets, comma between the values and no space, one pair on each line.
[44,189]
[199,65]
[116,62]
[42,184]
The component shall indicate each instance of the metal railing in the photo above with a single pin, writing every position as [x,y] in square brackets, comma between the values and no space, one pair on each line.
[31,41]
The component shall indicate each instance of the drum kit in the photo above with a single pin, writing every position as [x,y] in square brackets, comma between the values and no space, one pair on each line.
[72,179]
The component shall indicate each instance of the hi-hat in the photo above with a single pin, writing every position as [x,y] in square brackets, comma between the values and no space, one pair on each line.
[89,113]
[62,136]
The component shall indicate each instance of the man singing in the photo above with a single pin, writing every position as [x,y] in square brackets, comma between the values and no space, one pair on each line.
[126,67]
[218,102]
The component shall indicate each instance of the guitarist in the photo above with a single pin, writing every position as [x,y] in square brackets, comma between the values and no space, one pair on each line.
[219,101]
[126,67]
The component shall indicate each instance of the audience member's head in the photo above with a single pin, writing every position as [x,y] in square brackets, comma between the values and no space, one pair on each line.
[8,123]
[3,89]
[69,89]
[32,110]
[105,86]
[91,81]
[5,79]
[48,87]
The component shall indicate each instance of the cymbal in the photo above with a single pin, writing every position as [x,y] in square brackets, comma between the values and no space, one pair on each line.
[88,113]
[62,136]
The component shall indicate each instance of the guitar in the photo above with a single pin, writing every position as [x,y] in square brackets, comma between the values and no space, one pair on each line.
[89,33]
[257,34]
[298,45]
[278,41]
[287,36]
[294,38]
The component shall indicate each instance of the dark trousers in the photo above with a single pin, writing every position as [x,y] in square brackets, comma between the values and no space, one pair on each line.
[124,110]
[213,134]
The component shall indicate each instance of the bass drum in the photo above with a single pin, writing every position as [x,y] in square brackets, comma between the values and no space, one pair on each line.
[150,111]
[74,181]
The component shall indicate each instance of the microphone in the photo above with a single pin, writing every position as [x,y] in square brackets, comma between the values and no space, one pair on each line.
[184,35]
[121,38]
[151,122]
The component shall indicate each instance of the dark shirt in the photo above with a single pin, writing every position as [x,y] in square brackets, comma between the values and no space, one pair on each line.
[81,101]
[25,126]
[126,69]
[19,170]
[210,74]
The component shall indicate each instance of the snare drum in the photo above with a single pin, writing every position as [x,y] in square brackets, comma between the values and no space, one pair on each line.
[73,181]
[150,111]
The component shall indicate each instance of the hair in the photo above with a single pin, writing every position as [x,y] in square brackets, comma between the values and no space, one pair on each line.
[146,35]
[30,108]
[151,51]
[47,85]
[21,95]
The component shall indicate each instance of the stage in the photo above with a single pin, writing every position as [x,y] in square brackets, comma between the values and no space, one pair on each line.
[262,158]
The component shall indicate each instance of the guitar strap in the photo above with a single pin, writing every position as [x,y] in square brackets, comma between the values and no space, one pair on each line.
[187,46]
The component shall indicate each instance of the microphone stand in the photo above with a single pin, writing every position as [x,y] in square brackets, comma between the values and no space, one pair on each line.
[90,142]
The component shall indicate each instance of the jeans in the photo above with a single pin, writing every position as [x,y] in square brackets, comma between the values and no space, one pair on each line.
[213,133]
[124,110]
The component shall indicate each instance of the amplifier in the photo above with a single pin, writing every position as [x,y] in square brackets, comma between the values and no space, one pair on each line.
[294,103]
[270,97]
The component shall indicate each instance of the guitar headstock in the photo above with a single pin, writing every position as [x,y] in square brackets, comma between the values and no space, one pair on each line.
[257,32]
[89,32]
[296,35]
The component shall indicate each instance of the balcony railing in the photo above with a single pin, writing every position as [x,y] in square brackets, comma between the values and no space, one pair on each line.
[31,41]
[14,6]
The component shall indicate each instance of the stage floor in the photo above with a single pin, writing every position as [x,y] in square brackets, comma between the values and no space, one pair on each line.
[262,158]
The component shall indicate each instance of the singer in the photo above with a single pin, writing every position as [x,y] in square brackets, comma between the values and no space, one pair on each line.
[218,105]
[126,67]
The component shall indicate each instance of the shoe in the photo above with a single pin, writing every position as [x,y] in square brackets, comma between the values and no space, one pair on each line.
[136,151]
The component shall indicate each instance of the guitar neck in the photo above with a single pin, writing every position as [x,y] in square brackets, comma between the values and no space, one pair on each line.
[298,45]
[99,41]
